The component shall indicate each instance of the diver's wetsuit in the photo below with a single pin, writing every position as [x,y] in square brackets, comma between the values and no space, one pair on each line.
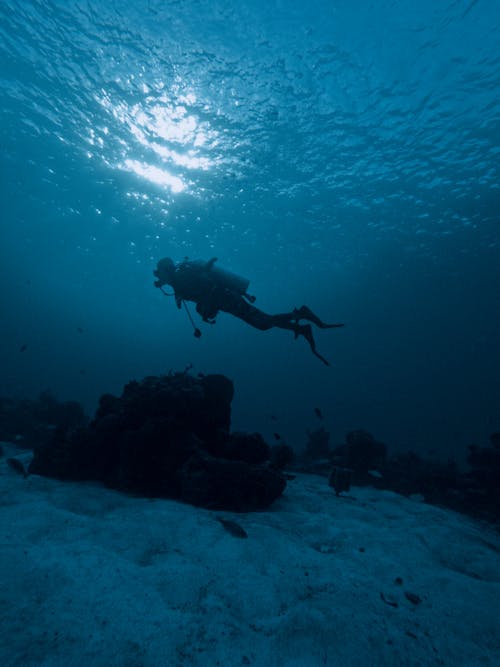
[191,281]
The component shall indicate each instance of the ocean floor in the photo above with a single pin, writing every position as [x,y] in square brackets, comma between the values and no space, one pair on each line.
[92,577]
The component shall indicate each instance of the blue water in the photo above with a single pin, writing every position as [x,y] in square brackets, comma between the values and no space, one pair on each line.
[339,154]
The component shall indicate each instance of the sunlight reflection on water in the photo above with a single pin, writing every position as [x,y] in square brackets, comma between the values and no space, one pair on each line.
[161,127]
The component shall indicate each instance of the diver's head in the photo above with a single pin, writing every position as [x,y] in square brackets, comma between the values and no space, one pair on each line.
[164,271]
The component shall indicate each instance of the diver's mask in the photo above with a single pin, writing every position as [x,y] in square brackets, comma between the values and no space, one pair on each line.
[164,271]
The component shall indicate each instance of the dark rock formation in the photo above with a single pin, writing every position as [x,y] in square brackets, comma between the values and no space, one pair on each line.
[281,456]
[167,436]
[223,484]
[31,422]
[475,492]
[318,444]
[409,473]
[340,479]
[363,451]
[483,492]
[249,447]
[495,440]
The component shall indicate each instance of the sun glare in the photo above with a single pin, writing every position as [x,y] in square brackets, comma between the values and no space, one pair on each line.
[174,136]
[155,175]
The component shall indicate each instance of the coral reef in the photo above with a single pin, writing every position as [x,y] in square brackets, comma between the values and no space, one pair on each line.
[31,422]
[168,436]
[318,444]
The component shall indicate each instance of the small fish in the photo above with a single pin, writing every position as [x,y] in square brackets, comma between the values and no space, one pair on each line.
[79,329]
[340,479]
[232,527]
[273,418]
[82,371]
[16,465]
[277,436]
[318,413]
[413,597]
[389,600]
[23,347]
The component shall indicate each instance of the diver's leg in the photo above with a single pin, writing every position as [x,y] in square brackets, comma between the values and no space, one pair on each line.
[306,331]
[237,306]
[305,313]
[263,321]
[283,321]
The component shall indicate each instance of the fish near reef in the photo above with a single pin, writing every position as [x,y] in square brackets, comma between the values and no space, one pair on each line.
[318,413]
[232,527]
[18,466]
[340,479]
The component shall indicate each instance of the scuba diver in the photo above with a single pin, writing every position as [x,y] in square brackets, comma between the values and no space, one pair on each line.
[214,289]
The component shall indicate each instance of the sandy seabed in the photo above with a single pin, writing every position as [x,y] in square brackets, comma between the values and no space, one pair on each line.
[90,576]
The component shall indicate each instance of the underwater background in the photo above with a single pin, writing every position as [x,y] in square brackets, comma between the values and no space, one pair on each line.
[340,155]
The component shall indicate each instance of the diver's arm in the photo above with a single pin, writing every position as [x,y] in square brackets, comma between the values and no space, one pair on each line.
[207,311]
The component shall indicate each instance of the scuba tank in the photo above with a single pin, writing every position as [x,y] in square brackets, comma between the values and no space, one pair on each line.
[189,280]
[229,280]
[222,277]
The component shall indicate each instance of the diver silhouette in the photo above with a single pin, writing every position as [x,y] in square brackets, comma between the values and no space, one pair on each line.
[214,289]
